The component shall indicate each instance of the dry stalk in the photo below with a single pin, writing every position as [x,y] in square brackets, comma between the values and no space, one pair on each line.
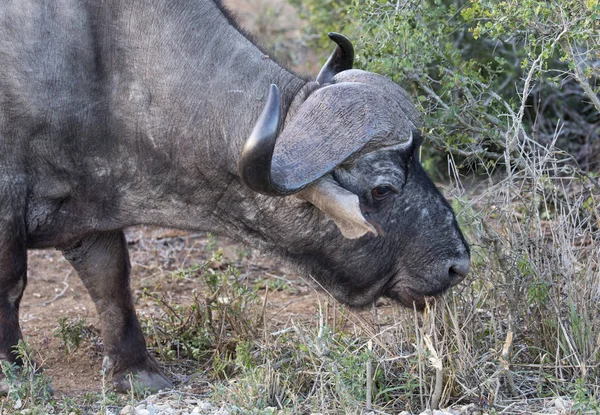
[370,376]
[436,362]
[505,360]
[419,342]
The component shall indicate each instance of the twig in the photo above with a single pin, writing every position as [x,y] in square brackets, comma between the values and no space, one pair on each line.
[60,294]
[580,76]
[590,178]
[163,302]
[440,101]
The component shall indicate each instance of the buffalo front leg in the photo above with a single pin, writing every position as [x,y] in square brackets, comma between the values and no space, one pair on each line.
[102,262]
[13,278]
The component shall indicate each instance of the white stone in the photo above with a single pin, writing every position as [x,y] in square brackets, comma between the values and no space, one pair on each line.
[127,410]
[18,404]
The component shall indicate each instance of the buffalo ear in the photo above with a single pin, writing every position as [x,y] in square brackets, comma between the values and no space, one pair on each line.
[340,205]
[340,60]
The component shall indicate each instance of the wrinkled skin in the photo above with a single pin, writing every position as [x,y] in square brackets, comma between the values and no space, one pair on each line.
[116,113]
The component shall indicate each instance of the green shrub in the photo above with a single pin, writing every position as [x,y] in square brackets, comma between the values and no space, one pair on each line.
[223,312]
[490,77]
[72,333]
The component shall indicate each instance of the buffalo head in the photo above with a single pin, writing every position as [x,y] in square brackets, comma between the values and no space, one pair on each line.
[349,155]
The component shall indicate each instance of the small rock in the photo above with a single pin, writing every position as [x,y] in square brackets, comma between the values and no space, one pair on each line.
[561,404]
[141,410]
[205,406]
[470,409]
[127,410]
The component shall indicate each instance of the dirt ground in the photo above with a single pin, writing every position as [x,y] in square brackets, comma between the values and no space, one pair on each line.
[54,289]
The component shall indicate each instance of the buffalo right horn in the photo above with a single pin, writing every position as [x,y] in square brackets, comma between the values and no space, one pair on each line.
[340,60]
[254,164]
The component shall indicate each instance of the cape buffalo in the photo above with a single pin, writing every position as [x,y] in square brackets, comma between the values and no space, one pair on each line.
[115,113]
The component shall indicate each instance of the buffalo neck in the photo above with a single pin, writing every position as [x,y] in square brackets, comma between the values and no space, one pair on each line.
[185,96]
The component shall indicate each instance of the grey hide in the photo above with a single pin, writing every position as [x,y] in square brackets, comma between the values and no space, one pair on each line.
[116,113]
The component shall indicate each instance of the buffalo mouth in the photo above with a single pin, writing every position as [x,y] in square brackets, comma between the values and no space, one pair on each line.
[412,298]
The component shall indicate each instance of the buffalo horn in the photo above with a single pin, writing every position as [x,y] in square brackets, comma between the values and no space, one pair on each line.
[340,60]
[254,164]
[341,205]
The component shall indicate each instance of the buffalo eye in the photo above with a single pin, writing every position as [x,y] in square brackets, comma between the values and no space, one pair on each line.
[381,192]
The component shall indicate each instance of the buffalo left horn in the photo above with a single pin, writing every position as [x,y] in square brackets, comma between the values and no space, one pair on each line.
[340,60]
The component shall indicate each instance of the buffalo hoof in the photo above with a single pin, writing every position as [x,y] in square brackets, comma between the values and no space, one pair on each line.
[141,382]
[140,379]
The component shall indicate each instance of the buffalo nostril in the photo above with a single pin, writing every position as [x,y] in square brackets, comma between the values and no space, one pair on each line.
[459,270]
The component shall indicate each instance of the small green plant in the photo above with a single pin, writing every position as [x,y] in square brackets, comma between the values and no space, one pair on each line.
[585,401]
[72,332]
[272,283]
[28,386]
[186,273]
